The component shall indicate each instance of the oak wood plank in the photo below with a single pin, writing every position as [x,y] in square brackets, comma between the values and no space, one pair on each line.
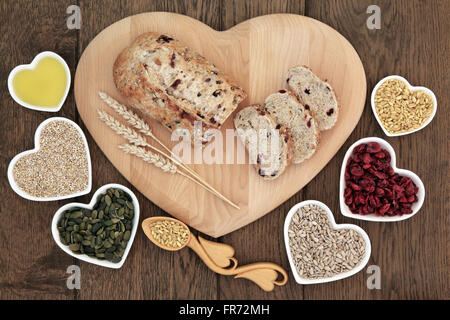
[412,254]
[32,267]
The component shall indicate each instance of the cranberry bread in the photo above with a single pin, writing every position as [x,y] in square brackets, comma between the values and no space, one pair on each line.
[288,112]
[314,94]
[257,129]
[173,84]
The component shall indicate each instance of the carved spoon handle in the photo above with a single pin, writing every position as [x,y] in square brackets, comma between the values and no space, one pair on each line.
[219,258]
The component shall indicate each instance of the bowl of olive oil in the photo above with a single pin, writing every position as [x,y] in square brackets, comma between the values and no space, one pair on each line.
[41,85]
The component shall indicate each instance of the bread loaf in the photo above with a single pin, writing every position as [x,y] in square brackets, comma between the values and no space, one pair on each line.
[173,84]
[287,111]
[272,157]
[315,94]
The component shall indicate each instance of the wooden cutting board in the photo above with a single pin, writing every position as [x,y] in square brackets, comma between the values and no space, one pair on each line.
[257,54]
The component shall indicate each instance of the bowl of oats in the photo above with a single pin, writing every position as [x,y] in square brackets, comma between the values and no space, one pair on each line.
[318,249]
[401,108]
[59,166]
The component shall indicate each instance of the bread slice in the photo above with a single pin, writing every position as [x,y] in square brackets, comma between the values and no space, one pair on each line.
[257,130]
[314,94]
[173,84]
[287,111]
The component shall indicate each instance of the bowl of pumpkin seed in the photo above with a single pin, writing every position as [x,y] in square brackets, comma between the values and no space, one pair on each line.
[102,231]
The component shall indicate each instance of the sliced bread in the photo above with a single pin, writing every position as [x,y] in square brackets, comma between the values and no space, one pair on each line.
[163,78]
[315,94]
[269,145]
[288,112]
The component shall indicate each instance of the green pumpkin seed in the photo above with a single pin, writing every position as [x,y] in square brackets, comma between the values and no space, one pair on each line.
[108,223]
[75,214]
[74,247]
[99,231]
[130,205]
[102,232]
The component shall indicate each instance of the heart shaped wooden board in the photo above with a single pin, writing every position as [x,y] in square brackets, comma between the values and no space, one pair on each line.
[257,54]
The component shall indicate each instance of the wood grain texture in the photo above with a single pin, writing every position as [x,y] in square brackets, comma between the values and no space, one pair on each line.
[413,255]
[31,266]
[248,53]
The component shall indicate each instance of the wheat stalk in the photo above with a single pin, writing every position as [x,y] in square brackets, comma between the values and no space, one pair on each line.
[138,140]
[139,124]
[155,159]
[150,157]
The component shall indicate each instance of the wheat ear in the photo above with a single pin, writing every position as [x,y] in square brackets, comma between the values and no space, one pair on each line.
[157,160]
[139,124]
[138,140]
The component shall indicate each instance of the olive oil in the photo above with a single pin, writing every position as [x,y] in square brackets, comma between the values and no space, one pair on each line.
[43,86]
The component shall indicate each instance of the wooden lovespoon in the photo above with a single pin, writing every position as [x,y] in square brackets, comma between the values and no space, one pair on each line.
[219,257]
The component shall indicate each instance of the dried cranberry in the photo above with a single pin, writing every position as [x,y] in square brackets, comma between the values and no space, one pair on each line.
[176,83]
[164,39]
[356,171]
[373,187]
[373,147]
[172,60]
[384,209]
[380,155]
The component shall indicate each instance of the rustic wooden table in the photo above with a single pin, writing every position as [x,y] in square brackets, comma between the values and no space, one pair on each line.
[412,255]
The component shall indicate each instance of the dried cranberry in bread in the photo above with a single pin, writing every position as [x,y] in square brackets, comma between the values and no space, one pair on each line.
[314,94]
[173,84]
[287,111]
[257,130]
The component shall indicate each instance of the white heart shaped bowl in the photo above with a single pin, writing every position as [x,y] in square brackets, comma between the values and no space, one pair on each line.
[412,88]
[340,276]
[84,257]
[345,210]
[37,134]
[31,66]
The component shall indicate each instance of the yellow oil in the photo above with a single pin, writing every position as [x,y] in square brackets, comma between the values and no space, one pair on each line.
[44,86]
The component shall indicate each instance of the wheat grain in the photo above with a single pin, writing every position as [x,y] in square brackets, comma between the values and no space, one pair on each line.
[122,130]
[132,118]
[400,109]
[150,157]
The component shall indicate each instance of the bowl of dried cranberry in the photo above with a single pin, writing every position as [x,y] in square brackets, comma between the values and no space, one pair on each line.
[372,188]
